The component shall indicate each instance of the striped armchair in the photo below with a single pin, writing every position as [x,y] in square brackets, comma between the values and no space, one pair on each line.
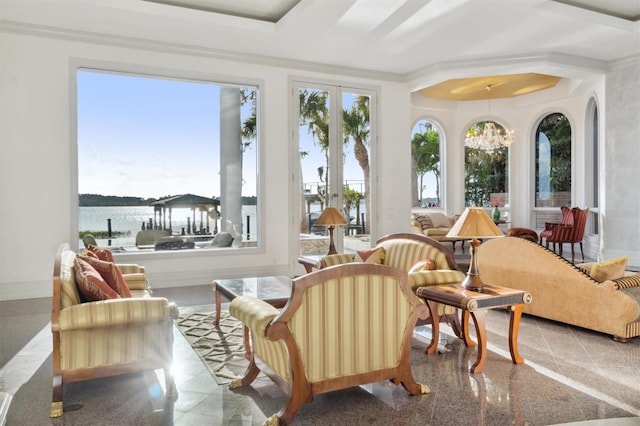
[109,337]
[344,326]
[403,251]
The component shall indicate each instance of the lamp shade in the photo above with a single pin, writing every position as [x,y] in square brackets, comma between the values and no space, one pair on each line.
[475,223]
[331,217]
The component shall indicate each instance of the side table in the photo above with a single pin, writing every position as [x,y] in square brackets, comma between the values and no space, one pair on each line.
[475,304]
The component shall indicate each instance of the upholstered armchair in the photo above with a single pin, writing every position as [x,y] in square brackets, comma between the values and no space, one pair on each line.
[343,326]
[569,231]
[404,251]
[107,337]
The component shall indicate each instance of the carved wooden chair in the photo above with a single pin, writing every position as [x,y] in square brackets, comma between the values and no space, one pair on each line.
[570,231]
[343,326]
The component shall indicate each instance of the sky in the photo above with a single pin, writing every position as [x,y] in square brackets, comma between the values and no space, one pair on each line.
[153,137]
[149,137]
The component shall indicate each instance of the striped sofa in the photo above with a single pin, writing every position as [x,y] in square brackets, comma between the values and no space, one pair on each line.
[343,326]
[110,337]
[561,291]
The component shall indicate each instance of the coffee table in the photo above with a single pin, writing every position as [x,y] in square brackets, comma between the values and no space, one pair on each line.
[273,290]
[476,304]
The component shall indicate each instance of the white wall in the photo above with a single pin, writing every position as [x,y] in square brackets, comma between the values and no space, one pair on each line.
[621,148]
[38,186]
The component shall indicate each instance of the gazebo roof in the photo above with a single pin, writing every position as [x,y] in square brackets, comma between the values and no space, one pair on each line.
[185,200]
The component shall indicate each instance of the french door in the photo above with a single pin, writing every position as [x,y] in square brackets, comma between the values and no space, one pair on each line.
[333,133]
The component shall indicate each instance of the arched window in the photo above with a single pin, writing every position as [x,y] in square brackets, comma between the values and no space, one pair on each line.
[486,180]
[426,164]
[553,166]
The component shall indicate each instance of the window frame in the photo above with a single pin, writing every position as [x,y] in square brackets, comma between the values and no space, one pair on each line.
[167,74]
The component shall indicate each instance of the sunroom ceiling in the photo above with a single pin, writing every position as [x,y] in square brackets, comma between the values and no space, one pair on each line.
[270,11]
[422,43]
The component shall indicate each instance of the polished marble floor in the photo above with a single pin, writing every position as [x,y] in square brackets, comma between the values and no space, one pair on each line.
[569,375]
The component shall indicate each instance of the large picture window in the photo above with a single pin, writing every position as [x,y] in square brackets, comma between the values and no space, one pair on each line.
[166,164]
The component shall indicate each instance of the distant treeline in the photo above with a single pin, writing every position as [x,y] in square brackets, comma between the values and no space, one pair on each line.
[97,200]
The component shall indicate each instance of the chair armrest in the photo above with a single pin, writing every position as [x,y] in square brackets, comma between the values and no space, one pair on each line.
[253,313]
[434,277]
[335,259]
[113,312]
[130,268]
[136,281]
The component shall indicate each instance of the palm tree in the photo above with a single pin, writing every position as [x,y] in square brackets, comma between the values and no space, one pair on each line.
[425,150]
[314,113]
[356,125]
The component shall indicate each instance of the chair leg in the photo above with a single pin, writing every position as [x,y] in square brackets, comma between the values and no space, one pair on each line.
[573,254]
[170,383]
[56,401]
[249,376]
[581,251]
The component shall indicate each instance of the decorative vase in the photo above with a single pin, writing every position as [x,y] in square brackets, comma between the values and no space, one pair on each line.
[496,214]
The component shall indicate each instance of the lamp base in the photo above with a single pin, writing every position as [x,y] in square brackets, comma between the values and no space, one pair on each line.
[473,281]
[332,247]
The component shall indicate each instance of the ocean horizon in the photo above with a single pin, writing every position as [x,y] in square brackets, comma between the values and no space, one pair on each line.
[127,221]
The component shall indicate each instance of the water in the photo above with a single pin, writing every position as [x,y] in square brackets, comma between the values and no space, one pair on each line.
[129,220]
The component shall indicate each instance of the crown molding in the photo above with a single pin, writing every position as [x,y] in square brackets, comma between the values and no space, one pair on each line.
[192,50]
[623,62]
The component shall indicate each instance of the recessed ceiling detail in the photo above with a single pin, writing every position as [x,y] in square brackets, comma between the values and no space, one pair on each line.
[502,86]
[261,10]
[623,9]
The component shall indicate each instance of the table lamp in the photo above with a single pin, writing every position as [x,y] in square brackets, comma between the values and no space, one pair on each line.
[331,217]
[474,223]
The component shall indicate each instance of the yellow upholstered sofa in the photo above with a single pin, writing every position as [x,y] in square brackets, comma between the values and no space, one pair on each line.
[108,337]
[343,326]
[561,291]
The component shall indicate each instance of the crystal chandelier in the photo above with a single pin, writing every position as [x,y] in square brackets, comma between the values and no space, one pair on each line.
[489,137]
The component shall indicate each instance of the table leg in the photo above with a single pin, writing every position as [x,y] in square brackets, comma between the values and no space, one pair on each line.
[435,328]
[478,319]
[218,298]
[464,333]
[514,326]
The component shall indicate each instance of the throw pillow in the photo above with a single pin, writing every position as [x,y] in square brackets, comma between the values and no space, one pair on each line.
[423,220]
[440,220]
[423,265]
[111,274]
[374,255]
[102,253]
[609,270]
[89,253]
[91,286]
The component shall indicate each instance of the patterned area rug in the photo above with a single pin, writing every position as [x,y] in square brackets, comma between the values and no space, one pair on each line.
[220,347]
